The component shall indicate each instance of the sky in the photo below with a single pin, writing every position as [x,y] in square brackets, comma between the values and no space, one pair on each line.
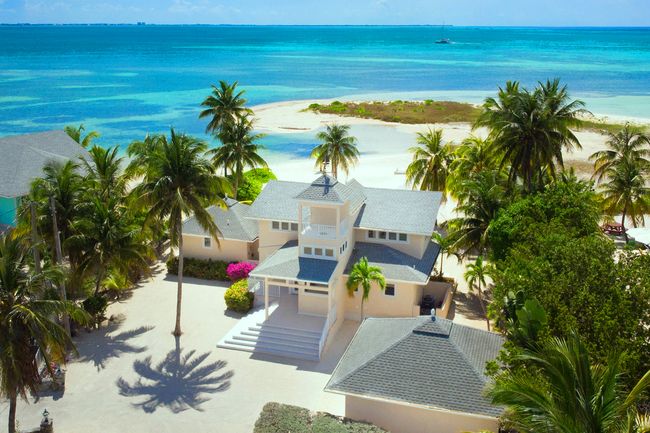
[400,12]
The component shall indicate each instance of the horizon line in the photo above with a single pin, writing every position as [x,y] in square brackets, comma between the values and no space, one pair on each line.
[152,24]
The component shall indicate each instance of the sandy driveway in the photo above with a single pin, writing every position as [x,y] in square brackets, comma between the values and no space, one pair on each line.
[133,376]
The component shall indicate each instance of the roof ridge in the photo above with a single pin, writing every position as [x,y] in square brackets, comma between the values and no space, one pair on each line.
[481,374]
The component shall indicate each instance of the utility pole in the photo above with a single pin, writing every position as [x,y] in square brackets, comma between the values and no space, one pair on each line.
[59,260]
[35,242]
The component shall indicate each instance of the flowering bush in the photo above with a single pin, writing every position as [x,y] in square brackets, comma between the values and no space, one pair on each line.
[238,298]
[239,271]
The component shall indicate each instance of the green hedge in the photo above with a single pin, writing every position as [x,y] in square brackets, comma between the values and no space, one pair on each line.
[283,418]
[238,298]
[252,183]
[198,268]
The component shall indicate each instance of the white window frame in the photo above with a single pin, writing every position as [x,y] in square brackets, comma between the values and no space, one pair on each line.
[209,246]
[309,291]
[387,239]
[280,224]
[394,286]
[323,250]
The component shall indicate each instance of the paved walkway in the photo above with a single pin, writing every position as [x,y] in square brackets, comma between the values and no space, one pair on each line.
[134,376]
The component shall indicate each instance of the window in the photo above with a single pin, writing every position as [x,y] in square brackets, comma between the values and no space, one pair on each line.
[308,251]
[275,225]
[403,237]
[294,227]
[318,251]
[392,236]
[316,292]
[285,226]
[382,235]
[329,252]
[207,242]
[390,290]
[371,234]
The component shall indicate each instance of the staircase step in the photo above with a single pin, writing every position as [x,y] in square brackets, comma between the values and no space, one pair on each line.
[270,349]
[287,330]
[280,336]
[277,341]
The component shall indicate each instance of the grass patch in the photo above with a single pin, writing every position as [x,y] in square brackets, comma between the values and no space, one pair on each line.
[412,112]
[283,418]
[604,127]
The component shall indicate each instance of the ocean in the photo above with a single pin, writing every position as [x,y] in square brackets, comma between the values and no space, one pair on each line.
[125,81]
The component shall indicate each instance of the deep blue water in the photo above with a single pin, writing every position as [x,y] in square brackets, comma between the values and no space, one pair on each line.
[128,80]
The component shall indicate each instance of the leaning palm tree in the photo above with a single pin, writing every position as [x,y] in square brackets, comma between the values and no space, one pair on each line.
[626,192]
[561,391]
[364,275]
[76,133]
[629,143]
[239,149]
[475,277]
[180,182]
[530,129]
[107,238]
[28,322]
[337,148]
[429,168]
[224,105]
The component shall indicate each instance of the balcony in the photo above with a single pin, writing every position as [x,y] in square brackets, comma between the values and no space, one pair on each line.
[323,231]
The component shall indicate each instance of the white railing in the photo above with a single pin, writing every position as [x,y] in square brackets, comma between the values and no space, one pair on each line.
[329,322]
[319,231]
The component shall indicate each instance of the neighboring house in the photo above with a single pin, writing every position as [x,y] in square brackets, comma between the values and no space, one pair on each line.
[310,235]
[418,375]
[23,159]
[239,235]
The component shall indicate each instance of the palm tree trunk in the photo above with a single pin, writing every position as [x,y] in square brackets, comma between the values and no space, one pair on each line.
[237,175]
[361,321]
[98,281]
[442,258]
[11,428]
[179,292]
[480,298]
[623,223]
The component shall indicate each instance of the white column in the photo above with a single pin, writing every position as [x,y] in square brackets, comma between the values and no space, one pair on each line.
[338,222]
[266,299]
[299,218]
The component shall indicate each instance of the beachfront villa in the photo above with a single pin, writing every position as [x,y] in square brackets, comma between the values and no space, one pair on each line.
[418,375]
[307,237]
[23,159]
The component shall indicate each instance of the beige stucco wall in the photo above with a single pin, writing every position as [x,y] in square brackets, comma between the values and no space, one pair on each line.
[272,240]
[312,304]
[407,295]
[414,247]
[229,250]
[399,418]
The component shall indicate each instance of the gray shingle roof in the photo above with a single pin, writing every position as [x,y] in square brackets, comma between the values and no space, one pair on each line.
[232,222]
[395,264]
[277,201]
[285,263]
[23,158]
[412,360]
[399,210]
[327,188]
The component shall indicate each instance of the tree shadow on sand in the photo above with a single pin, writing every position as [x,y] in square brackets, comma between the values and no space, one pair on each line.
[104,344]
[178,382]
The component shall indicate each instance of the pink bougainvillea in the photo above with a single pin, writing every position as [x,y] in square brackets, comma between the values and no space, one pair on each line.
[239,271]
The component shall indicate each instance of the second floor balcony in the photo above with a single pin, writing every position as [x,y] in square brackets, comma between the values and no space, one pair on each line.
[323,231]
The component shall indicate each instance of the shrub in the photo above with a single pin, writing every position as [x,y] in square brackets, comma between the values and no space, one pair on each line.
[239,271]
[238,298]
[252,183]
[95,306]
[199,268]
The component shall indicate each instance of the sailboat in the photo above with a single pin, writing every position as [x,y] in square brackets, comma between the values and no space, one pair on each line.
[443,40]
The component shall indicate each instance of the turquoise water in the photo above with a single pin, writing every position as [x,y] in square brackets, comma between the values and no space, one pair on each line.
[128,80]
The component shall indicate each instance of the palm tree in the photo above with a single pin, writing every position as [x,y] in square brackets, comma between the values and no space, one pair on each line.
[530,129]
[138,152]
[104,172]
[431,161]
[445,243]
[475,277]
[480,200]
[337,148]
[472,157]
[107,238]
[180,182]
[28,322]
[626,192]
[364,275]
[238,149]
[563,392]
[629,143]
[224,105]
[76,134]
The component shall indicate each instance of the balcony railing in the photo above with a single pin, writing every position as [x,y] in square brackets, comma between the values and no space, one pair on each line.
[323,231]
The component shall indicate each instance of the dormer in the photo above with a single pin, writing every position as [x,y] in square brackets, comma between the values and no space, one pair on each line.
[324,213]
